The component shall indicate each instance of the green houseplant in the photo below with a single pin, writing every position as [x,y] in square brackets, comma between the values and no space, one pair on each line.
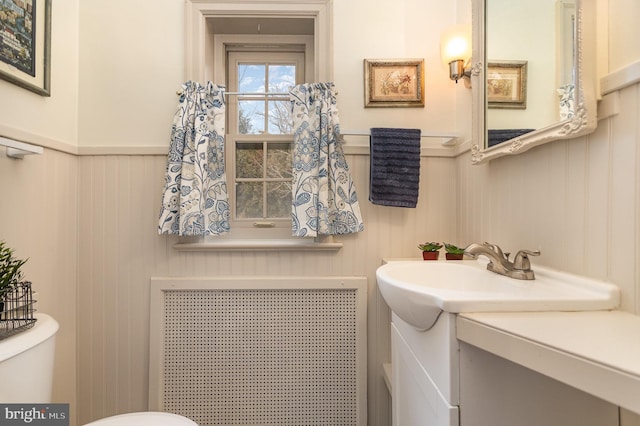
[430,250]
[10,267]
[453,252]
[10,274]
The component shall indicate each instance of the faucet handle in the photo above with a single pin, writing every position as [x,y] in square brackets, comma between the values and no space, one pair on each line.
[521,260]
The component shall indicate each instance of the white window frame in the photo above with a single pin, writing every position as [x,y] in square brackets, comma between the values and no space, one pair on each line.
[205,61]
[220,43]
[267,227]
[200,51]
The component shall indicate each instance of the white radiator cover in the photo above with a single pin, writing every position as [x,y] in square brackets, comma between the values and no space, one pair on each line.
[259,351]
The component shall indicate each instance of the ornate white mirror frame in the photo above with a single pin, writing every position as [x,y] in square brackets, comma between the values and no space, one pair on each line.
[584,119]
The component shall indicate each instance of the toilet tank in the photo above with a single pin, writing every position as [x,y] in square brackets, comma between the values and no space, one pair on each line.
[26,363]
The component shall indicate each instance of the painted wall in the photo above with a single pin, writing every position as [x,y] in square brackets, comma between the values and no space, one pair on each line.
[399,29]
[39,194]
[131,64]
[623,30]
[140,66]
[52,120]
[115,90]
[127,99]
[89,228]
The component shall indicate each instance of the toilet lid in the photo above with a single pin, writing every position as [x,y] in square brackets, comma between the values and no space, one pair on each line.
[144,419]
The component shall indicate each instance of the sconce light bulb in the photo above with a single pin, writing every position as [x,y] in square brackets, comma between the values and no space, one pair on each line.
[457,48]
[455,43]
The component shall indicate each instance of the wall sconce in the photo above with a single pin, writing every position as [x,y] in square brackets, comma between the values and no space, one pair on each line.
[455,49]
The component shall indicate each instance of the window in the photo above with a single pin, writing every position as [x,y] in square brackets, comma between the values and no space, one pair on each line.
[259,137]
[221,32]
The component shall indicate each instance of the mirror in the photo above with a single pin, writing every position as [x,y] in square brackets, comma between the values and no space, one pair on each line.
[533,77]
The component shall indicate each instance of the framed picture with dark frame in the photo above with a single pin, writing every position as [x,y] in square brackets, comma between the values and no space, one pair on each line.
[507,84]
[393,83]
[25,44]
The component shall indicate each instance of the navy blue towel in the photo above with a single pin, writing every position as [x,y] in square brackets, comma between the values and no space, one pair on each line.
[501,135]
[395,167]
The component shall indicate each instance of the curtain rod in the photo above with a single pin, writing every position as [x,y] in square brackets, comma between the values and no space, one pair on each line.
[251,93]
[257,93]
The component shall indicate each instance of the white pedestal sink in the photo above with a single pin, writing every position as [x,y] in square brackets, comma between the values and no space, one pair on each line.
[419,291]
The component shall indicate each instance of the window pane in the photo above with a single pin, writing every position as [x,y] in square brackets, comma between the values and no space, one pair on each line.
[260,135]
[251,78]
[249,160]
[282,78]
[249,200]
[279,199]
[279,161]
[280,122]
[251,117]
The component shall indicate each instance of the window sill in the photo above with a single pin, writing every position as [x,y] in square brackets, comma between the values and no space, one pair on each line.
[258,245]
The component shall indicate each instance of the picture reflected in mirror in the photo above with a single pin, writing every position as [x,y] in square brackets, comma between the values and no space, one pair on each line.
[533,74]
[529,60]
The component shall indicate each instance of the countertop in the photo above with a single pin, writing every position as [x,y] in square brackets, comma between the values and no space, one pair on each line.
[595,351]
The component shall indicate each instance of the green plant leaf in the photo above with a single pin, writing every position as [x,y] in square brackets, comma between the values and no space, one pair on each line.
[10,272]
[450,248]
[430,246]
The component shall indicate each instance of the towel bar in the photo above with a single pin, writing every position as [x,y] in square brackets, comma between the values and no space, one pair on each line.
[451,136]
[17,149]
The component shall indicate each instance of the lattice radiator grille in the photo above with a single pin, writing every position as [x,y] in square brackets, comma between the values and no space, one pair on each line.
[274,356]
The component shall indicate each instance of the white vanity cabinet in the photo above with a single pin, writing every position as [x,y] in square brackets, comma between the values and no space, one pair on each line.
[424,374]
[438,380]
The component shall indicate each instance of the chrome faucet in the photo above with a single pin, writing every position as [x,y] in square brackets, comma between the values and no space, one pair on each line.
[499,263]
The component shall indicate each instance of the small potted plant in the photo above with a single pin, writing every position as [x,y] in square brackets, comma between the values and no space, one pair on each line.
[453,252]
[430,250]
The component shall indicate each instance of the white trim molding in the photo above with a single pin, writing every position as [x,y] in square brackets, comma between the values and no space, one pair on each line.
[35,139]
[621,78]
[198,11]
[258,245]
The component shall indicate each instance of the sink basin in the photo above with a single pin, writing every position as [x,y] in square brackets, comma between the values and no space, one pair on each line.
[418,291]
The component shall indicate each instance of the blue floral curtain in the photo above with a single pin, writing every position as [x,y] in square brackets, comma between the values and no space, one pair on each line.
[195,200]
[324,196]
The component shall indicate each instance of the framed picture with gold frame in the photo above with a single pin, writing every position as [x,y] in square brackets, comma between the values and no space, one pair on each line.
[25,44]
[507,84]
[393,83]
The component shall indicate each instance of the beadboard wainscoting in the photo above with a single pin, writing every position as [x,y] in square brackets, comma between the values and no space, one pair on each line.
[576,200]
[38,218]
[119,250]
